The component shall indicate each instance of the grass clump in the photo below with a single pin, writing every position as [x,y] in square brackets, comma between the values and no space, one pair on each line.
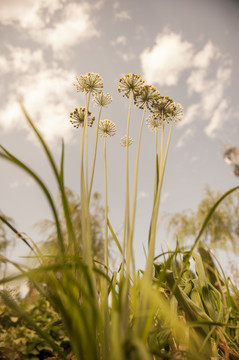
[179,307]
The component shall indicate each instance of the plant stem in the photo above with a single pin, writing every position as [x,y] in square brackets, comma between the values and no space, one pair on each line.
[95,151]
[132,224]
[126,219]
[87,101]
[163,158]
[156,160]
[106,209]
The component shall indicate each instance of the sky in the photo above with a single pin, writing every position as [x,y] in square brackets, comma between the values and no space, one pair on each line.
[187,49]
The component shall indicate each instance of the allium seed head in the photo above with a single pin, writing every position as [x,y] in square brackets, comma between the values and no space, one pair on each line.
[126,141]
[153,122]
[176,112]
[77,117]
[106,128]
[146,95]
[130,82]
[89,83]
[102,99]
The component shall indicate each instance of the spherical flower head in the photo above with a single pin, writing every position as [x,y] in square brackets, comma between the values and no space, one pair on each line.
[154,122]
[77,117]
[163,108]
[175,112]
[106,128]
[126,141]
[89,83]
[130,82]
[102,99]
[146,95]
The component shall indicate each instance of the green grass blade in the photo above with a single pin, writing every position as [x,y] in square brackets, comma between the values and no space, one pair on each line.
[114,237]
[55,171]
[8,156]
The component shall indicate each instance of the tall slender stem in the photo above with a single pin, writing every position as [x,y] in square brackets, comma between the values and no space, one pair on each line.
[132,224]
[149,265]
[126,220]
[156,159]
[94,158]
[87,101]
[106,209]
[106,264]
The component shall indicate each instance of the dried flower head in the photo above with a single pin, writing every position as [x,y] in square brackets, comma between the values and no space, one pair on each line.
[176,112]
[126,141]
[146,95]
[102,99]
[89,83]
[77,117]
[106,127]
[163,107]
[130,82]
[153,122]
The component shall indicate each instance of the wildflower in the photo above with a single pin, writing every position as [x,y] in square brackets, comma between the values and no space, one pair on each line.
[153,122]
[146,95]
[126,141]
[162,106]
[176,111]
[102,99]
[89,83]
[130,82]
[78,117]
[107,127]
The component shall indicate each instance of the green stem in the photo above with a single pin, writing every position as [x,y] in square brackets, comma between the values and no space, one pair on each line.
[156,160]
[126,219]
[106,209]
[132,224]
[95,151]
[87,101]
[149,265]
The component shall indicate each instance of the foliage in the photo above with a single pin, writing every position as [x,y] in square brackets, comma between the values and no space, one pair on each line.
[222,228]
[48,231]
[167,310]
[18,341]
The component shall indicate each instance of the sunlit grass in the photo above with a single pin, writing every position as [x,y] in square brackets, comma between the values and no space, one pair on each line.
[165,311]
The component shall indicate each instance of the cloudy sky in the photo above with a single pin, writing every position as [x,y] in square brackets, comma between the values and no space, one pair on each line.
[187,49]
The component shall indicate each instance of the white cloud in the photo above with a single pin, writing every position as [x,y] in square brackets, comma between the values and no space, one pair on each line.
[120,40]
[203,58]
[126,56]
[47,96]
[191,112]
[217,120]
[74,26]
[22,60]
[209,76]
[56,24]
[122,15]
[164,63]
[28,14]
[3,65]
[211,89]
[188,133]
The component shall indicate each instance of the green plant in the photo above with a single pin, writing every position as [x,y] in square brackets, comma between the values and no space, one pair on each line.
[161,312]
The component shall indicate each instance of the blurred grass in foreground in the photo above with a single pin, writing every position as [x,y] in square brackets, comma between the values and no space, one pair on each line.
[181,306]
